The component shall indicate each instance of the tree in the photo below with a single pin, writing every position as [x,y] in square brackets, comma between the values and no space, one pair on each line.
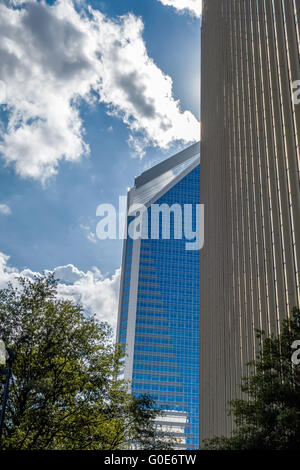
[65,392]
[269,418]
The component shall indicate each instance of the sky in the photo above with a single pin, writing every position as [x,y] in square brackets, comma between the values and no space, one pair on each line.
[92,93]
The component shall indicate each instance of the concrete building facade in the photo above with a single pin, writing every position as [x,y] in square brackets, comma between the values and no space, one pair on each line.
[250,167]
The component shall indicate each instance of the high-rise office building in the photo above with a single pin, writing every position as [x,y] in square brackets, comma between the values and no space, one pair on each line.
[250,163]
[159,296]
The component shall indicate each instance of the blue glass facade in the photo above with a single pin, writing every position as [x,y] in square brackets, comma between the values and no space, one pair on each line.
[166,338]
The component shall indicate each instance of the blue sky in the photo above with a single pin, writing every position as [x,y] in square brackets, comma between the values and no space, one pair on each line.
[64,152]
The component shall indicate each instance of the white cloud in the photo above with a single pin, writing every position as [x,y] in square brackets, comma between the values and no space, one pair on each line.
[52,58]
[5,209]
[7,273]
[95,292]
[194,7]
[90,235]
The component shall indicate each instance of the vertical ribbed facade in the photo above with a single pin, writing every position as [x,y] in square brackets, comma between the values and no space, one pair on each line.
[250,167]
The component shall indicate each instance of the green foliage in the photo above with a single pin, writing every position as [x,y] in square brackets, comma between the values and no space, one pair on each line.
[65,392]
[270,416]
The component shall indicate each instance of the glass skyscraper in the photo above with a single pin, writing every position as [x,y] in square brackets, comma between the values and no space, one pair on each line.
[159,297]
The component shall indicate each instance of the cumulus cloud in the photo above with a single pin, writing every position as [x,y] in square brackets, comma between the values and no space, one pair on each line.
[95,292]
[52,58]
[90,235]
[5,209]
[98,294]
[194,7]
